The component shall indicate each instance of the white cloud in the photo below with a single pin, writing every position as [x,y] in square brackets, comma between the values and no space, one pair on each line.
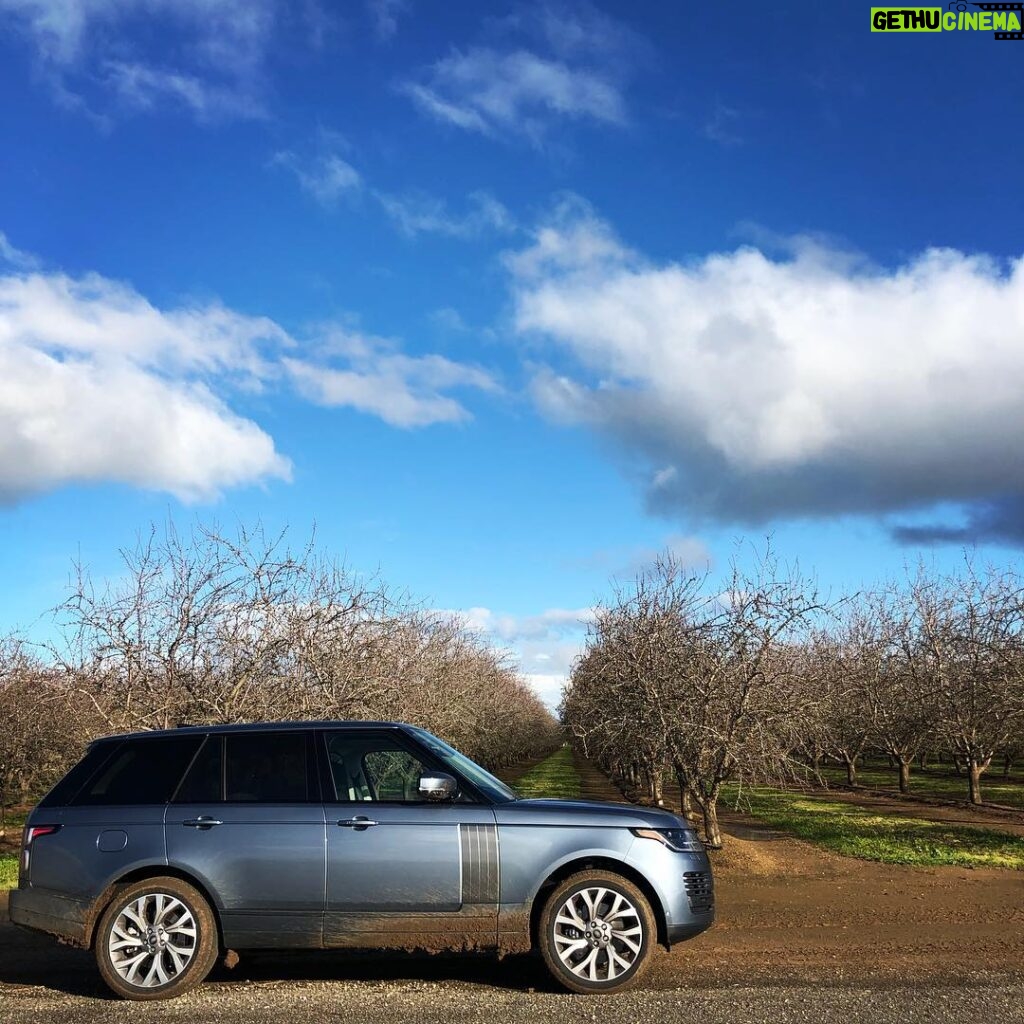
[494,92]
[384,15]
[544,646]
[376,378]
[546,625]
[144,88]
[423,214]
[326,177]
[219,46]
[549,686]
[752,388]
[98,384]
[449,319]
[16,257]
[722,125]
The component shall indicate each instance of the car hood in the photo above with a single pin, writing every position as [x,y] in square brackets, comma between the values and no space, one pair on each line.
[585,812]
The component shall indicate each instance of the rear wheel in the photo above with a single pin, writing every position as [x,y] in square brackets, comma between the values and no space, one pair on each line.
[156,939]
[597,932]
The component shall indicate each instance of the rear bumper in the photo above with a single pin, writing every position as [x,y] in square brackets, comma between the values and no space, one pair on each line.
[43,911]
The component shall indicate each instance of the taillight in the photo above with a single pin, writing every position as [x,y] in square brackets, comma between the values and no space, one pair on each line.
[32,833]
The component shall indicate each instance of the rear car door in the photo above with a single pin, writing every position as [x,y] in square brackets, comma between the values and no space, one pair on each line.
[108,814]
[248,821]
[402,871]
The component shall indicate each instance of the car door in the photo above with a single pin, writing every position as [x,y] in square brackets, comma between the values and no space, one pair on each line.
[248,821]
[402,871]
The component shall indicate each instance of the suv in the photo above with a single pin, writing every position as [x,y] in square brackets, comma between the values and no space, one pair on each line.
[158,850]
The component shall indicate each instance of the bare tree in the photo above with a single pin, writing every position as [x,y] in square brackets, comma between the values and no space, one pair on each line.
[205,627]
[682,675]
[970,650]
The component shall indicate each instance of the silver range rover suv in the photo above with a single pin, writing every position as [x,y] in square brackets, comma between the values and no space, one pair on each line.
[160,850]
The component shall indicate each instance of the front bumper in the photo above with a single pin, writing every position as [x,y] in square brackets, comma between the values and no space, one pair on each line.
[684,884]
[43,911]
[687,930]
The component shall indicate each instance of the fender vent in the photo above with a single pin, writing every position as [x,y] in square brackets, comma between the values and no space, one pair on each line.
[479,863]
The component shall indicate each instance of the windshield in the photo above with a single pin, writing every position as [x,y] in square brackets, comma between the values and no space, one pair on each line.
[491,787]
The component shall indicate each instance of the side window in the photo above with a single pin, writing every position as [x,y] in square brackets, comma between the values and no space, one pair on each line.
[204,783]
[266,768]
[64,792]
[142,771]
[393,774]
[365,767]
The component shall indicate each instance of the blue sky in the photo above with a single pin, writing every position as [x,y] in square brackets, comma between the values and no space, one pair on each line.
[506,297]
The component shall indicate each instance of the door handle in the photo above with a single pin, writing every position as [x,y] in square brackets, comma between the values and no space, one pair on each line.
[203,822]
[359,823]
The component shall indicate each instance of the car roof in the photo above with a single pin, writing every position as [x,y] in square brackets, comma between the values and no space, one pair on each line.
[188,730]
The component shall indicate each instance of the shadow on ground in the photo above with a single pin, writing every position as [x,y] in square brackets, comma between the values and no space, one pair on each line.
[37,961]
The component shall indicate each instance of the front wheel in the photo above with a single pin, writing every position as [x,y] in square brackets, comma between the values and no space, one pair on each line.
[156,939]
[597,933]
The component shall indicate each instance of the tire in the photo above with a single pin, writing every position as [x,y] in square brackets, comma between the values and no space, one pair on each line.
[177,939]
[576,954]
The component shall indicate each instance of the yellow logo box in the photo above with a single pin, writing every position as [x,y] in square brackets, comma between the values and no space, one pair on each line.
[935,19]
[906,19]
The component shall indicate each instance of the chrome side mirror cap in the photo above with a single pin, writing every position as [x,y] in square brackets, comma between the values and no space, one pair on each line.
[437,787]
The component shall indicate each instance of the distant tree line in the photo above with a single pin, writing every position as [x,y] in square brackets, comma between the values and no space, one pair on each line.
[205,628]
[759,680]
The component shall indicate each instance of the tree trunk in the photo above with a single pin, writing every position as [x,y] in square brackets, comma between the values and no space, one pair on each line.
[655,789]
[1007,765]
[974,771]
[685,800]
[904,775]
[851,770]
[712,833]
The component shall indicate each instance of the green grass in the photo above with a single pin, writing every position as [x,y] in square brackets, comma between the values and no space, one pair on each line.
[554,777]
[8,870]
[994,787]
[857,832]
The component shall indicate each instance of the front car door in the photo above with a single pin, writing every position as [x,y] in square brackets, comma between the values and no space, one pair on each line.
[248,820]
[402,872]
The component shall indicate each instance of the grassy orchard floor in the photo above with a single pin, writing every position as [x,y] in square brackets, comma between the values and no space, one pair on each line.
[555,776]
[10,845]
[863,832]
[936,783]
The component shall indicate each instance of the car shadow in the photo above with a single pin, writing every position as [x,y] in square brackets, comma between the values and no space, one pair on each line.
[520,972]
[33,960]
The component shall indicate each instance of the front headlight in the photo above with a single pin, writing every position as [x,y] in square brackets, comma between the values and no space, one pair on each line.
[682,840]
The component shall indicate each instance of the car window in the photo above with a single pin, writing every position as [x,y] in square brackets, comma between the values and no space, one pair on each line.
[65,791]
[367,767]
[453,760]
[204,782]
[266,768]
[144,771]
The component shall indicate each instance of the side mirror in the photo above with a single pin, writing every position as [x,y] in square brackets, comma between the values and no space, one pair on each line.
[438,787]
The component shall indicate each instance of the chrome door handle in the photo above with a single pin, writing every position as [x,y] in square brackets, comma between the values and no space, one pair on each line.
[202,822]
[359,822]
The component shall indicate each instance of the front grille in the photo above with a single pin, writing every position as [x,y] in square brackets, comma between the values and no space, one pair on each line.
[699,890]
